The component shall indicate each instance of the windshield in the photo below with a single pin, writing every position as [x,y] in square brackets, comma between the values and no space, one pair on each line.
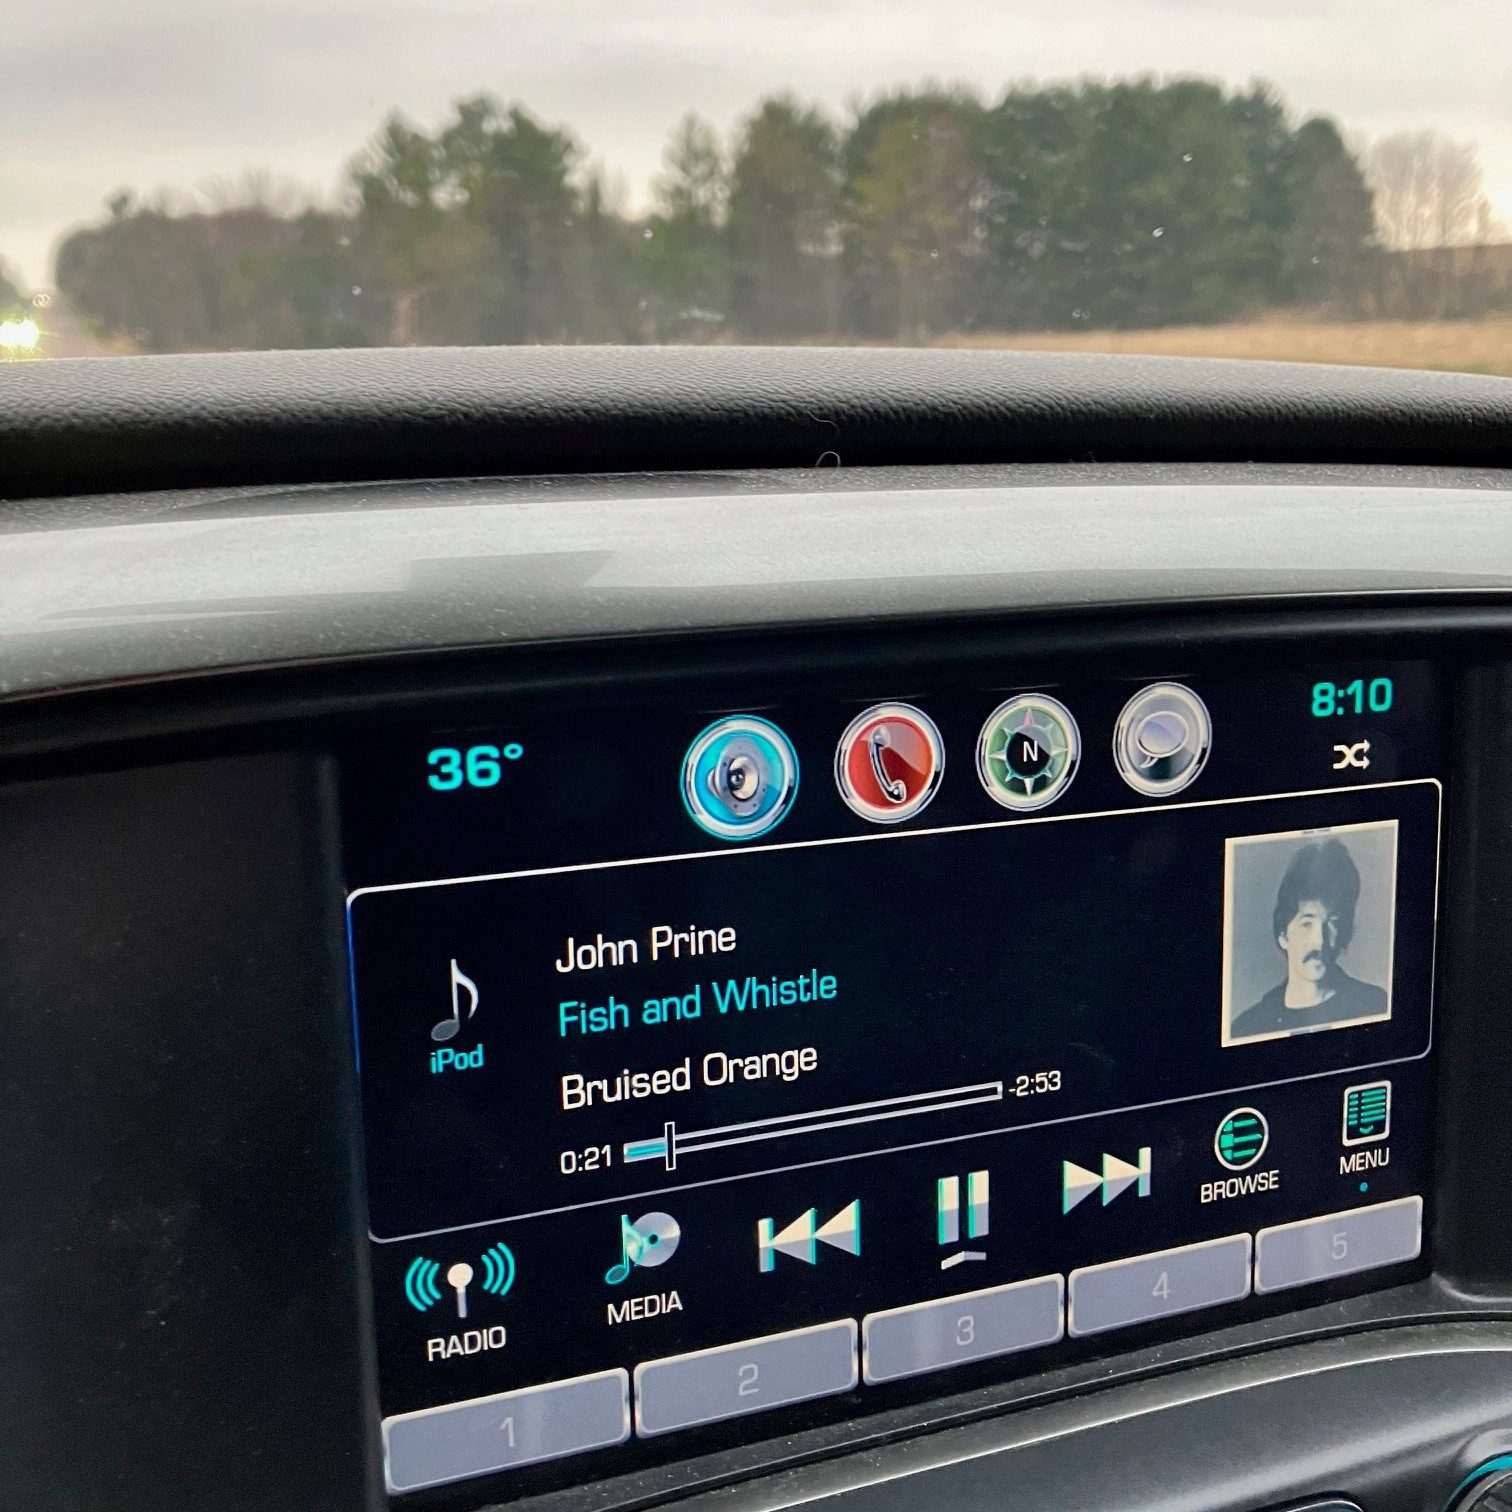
[1304,179]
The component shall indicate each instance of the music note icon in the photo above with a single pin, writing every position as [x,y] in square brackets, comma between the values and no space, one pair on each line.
[448,1028]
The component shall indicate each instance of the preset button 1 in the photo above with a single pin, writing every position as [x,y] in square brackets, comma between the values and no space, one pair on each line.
[442,1444]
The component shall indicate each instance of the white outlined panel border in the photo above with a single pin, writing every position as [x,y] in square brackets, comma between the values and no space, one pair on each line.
[886,837]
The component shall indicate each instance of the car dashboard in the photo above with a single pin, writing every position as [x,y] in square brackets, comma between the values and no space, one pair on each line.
[605,967]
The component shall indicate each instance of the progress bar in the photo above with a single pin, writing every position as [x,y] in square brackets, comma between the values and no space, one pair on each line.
[675,1143]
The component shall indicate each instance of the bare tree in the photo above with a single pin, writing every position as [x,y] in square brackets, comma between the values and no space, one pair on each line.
[1428,191]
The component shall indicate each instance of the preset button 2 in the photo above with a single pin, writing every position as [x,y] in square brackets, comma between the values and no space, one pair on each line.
[755,1375]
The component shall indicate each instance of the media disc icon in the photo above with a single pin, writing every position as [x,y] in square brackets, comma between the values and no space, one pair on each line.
[1162,739]
[651,1240]
[740,777]
[1028,751]
[889,763]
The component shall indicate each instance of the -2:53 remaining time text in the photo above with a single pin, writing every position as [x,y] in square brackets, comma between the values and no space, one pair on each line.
[1030,1083]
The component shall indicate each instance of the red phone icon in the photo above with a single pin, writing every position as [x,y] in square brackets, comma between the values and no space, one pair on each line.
[889,762]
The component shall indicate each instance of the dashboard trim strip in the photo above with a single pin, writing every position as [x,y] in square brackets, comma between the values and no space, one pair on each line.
[100,592]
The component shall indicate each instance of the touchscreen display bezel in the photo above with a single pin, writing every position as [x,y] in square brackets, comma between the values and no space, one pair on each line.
[371,785]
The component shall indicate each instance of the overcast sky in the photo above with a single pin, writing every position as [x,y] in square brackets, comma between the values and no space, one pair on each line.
[101,94]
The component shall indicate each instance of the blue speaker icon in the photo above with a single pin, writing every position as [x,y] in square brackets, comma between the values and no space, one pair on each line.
[422,1291]
[740,778]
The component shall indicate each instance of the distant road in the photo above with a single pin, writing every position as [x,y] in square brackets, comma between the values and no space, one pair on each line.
[63,335]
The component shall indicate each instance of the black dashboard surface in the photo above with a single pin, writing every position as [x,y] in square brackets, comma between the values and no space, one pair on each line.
[297,417]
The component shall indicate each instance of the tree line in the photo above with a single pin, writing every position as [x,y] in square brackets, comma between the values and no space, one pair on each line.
[1090,205]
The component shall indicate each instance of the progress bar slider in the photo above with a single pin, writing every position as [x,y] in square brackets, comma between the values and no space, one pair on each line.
[676,1143]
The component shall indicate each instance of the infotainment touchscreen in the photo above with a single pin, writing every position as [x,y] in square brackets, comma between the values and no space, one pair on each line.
[732,1066]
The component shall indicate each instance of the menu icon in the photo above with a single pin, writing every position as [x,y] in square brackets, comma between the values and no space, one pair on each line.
[1367,1113]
